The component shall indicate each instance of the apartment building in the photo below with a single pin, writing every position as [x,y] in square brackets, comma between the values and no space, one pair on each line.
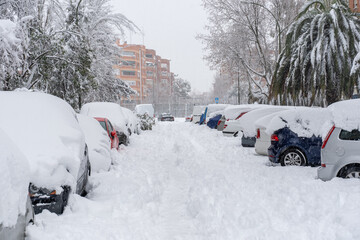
[144,71]
[354,5]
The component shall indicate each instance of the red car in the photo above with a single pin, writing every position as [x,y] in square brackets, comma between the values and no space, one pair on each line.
[106,124]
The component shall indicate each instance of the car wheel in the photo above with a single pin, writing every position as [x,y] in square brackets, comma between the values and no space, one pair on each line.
[292,157]
[352,172]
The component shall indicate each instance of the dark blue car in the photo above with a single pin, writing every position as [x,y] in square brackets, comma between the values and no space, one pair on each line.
[213,122]
[287,148]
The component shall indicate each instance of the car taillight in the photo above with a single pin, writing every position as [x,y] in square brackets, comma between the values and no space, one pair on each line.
[219,122]
[240,115]
[257,133]
[327,137]
[323,165]
[274,138]
[225,126]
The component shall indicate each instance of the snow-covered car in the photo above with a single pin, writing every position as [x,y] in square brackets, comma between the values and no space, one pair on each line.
[197,112]
[262,142]
[133,122]
[98,143]
[166,117]
[188,118]
[340,150]
[212,108]
[113,112]
[16,210]
[46,130]
[232,114]
[296,136]
[146,114]
[246,124]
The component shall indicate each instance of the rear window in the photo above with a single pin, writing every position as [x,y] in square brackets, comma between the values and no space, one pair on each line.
[354,135]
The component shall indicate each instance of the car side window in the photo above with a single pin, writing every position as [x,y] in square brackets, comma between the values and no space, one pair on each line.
[354,135]
[110,127]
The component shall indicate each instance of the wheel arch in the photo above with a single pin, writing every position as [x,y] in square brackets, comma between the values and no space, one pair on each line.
[294,147]
[342,170]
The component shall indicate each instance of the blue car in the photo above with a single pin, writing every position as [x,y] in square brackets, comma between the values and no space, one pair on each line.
[287,148]
[213,122]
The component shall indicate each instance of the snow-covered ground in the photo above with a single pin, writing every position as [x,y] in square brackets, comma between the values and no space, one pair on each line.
[184,181]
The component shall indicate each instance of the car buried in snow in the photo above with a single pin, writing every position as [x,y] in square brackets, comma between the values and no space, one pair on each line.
[166,117]
[296,136]
[46,130]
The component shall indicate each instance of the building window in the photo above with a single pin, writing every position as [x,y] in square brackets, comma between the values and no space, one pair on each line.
[149,81]
[164,74]
[127,63]
[164,81]
[130,83]
[128,73]
[355,4]
[149,73]
[149,55]
[164,65]
[128,54]
[150,64]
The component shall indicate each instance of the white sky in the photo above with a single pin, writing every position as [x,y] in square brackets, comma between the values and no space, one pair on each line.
[170,28]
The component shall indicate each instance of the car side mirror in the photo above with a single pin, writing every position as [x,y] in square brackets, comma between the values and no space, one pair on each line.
[113,133]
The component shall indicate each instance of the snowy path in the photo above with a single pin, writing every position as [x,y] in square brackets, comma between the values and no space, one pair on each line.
[182,181]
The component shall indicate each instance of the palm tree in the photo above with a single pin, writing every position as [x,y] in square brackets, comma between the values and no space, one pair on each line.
[315,64]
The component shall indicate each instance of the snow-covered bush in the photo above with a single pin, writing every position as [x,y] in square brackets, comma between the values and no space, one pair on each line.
[98,143]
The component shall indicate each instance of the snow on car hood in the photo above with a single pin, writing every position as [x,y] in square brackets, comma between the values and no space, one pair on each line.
[111,111]
[45,129]
[303,121]
[345,114]
[14,181]
[231,112]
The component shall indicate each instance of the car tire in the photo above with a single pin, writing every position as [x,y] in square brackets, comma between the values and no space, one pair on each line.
[351,172]
[292,157]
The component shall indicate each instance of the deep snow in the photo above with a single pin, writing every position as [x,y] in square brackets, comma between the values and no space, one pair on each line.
[184,181]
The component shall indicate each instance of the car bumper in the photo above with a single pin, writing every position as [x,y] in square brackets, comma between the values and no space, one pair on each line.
[248,141]
[326,173]
[228,134]
[53,204]
[272,154]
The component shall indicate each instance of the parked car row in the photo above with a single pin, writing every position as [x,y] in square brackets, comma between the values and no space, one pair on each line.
[297,135]
[48,152]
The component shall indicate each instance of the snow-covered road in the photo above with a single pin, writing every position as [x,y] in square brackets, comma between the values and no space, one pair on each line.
[184,181]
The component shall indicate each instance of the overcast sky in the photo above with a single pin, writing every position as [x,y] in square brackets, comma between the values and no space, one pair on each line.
[170,28]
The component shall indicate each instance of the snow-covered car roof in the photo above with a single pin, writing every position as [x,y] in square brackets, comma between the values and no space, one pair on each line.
[247,122]
[303,121]
[145,108]
[231,112]
[215,108]
[346,114]
[111,111]
[14,181]
[45,129]
[98,143]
